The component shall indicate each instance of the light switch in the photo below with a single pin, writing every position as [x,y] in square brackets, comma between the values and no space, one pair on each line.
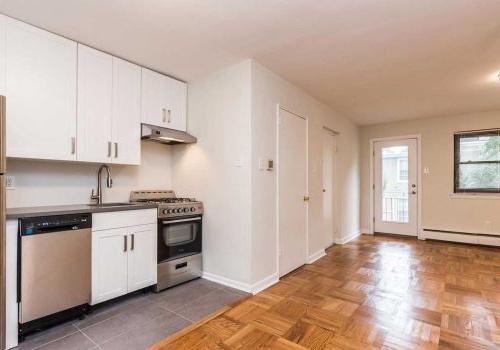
[10,182]
[427,171]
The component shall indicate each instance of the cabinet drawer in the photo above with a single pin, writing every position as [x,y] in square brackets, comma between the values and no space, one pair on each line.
[126,218]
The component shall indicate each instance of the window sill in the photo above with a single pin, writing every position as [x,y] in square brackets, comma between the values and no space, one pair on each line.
[475,195]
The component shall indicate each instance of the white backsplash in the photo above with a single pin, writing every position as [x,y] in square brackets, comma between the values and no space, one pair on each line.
[40,183]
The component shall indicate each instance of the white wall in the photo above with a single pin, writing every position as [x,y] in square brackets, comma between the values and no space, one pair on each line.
[269,90]
[233,114]
[58,183]
[216,169]
[441,209]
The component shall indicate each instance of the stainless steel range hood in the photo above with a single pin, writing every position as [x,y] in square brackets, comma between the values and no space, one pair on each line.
[165,135]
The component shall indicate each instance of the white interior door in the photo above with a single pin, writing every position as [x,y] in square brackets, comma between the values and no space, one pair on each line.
[395,180]
[292,191]
[329,149]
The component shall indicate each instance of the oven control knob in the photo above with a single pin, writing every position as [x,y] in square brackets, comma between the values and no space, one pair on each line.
[165,211]
[177,210]
[193,209]
[186,210]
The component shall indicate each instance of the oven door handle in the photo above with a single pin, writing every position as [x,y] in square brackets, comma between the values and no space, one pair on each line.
[183,220]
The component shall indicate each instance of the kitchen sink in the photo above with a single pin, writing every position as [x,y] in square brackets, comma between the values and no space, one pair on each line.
[106,205]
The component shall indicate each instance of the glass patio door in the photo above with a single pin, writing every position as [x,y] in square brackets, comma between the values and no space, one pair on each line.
[395,180]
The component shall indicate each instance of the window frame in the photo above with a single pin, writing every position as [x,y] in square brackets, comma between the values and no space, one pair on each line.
[456,160]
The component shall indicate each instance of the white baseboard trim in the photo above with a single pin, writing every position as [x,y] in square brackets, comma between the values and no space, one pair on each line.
[348,238]
[265,283]
[245,287]
[316,256]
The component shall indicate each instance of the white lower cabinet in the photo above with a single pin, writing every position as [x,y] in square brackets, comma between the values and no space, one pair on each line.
[124,259]
[142,265]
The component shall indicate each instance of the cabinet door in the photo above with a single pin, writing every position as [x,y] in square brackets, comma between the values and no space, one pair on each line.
[109,264]
[126,126]
[95,82]
[142,257]
[153,106]
[40,85]
[177,104]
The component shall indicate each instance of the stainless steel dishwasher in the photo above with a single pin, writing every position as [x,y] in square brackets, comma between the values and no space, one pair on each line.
[54,269]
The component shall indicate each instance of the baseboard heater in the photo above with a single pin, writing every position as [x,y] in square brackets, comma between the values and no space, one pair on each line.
[461,237]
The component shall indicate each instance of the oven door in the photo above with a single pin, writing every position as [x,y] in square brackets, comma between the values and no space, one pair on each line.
[179,237]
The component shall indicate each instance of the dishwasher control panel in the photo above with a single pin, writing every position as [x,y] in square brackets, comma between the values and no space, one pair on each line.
[55,223]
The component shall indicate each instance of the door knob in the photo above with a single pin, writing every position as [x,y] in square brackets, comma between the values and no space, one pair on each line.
[324,190]
[306,198]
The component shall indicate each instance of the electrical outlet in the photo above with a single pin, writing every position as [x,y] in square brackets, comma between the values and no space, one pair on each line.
[10,182]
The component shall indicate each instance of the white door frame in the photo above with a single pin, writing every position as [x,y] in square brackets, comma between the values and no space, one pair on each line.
[418,137]
[278,109]
[335,202]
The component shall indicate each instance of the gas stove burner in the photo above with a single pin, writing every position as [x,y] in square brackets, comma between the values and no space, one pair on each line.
[168,204]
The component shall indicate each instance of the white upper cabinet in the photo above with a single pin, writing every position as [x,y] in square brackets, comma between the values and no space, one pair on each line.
[126,120]
[109,92]
[163,101]
[95,86]
[177,93]
[67,101]
[39,81]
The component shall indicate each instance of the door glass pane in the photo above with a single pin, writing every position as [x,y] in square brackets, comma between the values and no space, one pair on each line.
[175,234]
[395,184]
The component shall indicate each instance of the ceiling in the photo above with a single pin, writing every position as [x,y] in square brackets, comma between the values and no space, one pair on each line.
[372,60]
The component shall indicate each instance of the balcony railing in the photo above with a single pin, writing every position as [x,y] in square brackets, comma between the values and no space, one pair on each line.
[395,207]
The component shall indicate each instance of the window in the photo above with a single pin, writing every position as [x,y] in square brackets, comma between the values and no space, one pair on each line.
[403,169]
[477,161]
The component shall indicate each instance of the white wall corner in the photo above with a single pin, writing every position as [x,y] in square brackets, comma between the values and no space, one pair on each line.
[348,238]
[366,231]
[316,256]
[265,283]
[245,287]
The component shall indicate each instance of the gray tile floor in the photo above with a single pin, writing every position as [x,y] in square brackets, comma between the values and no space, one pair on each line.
[136,321]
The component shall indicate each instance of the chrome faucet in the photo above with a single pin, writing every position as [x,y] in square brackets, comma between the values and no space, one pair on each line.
[109,183]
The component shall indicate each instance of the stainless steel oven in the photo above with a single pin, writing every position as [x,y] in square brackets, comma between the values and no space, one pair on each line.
[179,237]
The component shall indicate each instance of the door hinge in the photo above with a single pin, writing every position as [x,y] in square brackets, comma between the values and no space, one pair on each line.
[374,219]
[373,186]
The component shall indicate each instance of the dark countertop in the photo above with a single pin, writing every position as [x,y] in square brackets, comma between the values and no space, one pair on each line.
[18,213]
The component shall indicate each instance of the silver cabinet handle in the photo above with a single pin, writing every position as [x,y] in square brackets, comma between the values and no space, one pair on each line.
[169,115]
[73,145]
[125,244]
[133,241]
[116,149]
[164,115]
[109,148]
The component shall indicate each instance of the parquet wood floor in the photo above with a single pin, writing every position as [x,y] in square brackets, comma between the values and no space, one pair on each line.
[377,292]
